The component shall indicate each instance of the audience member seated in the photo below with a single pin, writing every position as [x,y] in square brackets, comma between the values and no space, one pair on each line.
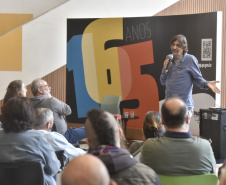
[103,134]
[15,88]
[178,152]
[152,127]
[43,99]
[44,123]
[18,142]
[86,170]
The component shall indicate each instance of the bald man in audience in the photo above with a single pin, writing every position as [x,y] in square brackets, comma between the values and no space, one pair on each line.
[86,170]
[177,152]
[103,134]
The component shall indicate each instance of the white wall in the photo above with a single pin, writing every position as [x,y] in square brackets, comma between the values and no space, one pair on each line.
[35,7]
[44,38]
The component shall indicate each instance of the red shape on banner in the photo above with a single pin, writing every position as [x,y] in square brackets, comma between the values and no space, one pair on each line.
[134,84]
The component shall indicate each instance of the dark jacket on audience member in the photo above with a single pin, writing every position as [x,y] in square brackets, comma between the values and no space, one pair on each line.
[127,171]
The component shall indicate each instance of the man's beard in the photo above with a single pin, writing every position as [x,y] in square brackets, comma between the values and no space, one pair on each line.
[47,93]
[177,53]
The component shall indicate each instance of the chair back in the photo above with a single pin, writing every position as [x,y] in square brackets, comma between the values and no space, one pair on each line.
[111,103]
[206,179]
[21,173]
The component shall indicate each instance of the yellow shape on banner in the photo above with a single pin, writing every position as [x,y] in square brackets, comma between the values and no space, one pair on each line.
[11,51]
[102,30]
[9,22]
[90,66]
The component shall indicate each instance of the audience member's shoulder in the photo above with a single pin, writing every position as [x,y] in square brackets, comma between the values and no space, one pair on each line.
[53,99]
[34,133]
[146,173]
[143,167]
[152,141]
[200,144]
[55,134]
[38,137]
[35,136]
[201,140]
[135,146]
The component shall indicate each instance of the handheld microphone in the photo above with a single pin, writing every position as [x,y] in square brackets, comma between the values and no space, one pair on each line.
[170,57]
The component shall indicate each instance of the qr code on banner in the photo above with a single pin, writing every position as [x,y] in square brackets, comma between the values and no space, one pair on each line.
[206,50]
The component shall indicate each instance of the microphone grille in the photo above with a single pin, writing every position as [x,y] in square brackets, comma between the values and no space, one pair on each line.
[170,56]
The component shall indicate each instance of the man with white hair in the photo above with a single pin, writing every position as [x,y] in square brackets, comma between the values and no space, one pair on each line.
[44,123]
[43,99]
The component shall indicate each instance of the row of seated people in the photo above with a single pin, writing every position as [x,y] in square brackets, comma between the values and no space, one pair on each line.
[20,121]
[26,136]
[178,153]
[42,98]
[180,146]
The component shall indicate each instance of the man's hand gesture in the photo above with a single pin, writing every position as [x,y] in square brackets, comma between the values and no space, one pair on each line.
[213,87]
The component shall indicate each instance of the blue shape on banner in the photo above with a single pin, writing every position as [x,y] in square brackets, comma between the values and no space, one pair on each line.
[75,63]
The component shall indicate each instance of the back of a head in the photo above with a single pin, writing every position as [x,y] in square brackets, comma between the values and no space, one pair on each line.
[101,128]
[13,89]
[17,115]
[174,112]
[152,125]
[43,116]
[85,170]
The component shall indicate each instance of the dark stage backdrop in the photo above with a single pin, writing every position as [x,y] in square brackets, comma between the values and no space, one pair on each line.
[124,56]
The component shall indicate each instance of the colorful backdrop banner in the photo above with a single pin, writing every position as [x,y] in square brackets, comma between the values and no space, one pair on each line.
[124,56]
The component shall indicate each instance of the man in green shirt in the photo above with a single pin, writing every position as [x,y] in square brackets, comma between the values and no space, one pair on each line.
[178,152]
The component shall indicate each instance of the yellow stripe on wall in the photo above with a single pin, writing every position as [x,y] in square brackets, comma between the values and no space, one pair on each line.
[9,22]
[11,51]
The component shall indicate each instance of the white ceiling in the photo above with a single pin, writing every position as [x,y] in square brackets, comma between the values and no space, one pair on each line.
[35,7]
[89,8]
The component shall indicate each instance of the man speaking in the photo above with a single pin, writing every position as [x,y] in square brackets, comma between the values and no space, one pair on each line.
[179,72]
